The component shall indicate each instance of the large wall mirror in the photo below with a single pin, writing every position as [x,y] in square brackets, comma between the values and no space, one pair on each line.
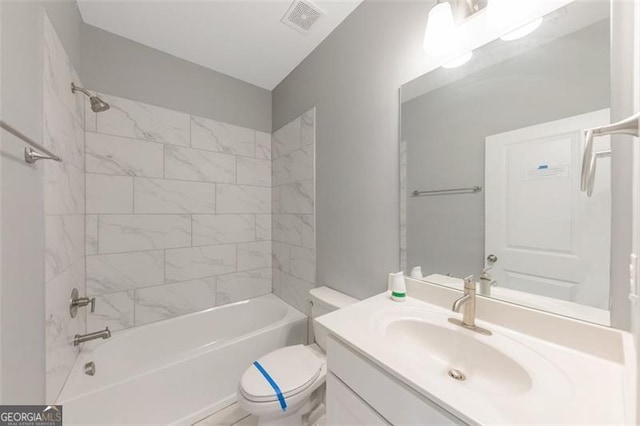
[491,153]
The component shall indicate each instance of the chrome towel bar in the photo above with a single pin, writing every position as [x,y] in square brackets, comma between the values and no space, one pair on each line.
[454,191]
[31,155]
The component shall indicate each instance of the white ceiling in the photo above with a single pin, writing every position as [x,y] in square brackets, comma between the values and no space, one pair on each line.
[243,39]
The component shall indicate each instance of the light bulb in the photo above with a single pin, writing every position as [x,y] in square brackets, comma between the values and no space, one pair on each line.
[461,60]
[440,34]
[523,30]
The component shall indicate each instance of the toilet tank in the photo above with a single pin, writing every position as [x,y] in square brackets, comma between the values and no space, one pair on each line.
[323,301]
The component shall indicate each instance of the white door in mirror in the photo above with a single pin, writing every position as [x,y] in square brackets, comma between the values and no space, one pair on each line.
[550,239]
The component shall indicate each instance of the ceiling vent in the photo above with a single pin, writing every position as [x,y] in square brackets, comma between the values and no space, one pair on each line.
[301,15]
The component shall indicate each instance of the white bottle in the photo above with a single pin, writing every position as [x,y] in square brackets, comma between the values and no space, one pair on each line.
[398,287]
[416,273]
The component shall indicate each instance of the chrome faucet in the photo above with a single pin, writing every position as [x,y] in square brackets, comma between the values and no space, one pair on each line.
[81,338]
[468,300]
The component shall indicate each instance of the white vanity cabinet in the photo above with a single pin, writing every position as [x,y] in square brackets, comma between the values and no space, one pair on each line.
[360,393]
[345,407]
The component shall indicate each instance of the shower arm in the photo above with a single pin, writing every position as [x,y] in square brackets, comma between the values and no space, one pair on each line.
[75,88]
[629,126]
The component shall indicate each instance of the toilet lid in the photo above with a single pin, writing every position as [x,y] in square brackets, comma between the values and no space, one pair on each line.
[292,368]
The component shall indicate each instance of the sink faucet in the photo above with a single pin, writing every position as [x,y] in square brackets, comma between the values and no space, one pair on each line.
[81,338]
[486,282]
[468,300]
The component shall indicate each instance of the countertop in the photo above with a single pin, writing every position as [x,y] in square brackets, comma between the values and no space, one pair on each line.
[583,388]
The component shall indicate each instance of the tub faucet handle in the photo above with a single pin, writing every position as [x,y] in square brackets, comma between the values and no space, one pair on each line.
[78,302]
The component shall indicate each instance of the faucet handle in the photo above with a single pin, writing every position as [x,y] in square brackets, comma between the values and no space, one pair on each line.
[469,283]
[78,302]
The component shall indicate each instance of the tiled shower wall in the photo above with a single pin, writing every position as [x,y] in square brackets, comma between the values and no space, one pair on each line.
[63,134]
[293,164]
[178,213]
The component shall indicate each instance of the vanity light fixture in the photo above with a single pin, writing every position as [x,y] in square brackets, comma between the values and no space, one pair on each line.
[459,61]
[440,32]
[501,12]
[441,36]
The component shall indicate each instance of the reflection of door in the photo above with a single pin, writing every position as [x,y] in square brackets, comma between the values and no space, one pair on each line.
[550,239]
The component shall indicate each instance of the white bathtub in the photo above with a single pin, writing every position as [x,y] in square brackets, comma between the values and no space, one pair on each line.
[179,370]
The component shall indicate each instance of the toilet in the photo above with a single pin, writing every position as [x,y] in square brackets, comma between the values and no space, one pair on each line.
[298,372]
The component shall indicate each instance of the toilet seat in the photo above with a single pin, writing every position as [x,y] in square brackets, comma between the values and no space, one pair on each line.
[293,368]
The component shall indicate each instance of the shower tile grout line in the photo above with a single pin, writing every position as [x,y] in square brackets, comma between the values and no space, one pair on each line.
[211,182]
[183,213]
[190,146]
[179,248]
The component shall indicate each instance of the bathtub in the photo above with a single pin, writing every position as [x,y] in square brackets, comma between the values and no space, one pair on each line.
[180,370]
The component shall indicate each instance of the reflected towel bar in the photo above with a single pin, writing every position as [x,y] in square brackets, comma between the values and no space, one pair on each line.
[454,191]
[630,126]
[595,156]
[31,155]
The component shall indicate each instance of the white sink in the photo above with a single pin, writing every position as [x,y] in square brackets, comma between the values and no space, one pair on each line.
[485,368]
[492,364]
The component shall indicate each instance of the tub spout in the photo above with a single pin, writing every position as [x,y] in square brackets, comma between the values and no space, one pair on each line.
[81,338]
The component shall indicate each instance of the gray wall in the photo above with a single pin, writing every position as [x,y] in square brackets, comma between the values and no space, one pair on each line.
[22,320]
[353,79]
[118,66]
[544,84]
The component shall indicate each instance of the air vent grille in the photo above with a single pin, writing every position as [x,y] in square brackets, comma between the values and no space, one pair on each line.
[302,15]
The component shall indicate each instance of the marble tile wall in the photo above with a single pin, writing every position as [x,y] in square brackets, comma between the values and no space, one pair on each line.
[178,213]
[293,207]
[64,193]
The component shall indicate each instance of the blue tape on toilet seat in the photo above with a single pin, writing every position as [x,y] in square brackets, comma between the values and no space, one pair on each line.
[274,385]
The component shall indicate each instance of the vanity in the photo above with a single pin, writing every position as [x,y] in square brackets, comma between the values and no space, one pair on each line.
[405,363]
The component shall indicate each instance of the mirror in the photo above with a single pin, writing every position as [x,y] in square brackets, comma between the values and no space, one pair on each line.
[491,153]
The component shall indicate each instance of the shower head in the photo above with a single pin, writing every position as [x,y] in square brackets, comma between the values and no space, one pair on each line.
[97,104]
